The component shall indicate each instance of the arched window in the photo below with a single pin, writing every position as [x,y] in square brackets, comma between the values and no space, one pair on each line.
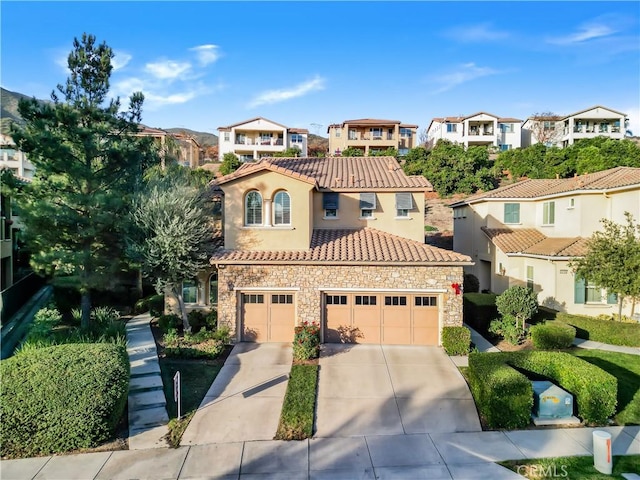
[253,208]
[213,289]
[282,209]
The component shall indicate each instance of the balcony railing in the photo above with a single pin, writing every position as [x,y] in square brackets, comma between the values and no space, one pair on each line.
[259,141]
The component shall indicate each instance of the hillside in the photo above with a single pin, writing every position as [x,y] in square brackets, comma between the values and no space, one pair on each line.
[9,108]
[203,138]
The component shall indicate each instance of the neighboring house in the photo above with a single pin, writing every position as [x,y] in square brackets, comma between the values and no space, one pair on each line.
[183,147]
[479,129]
[9,239]
[14,159]
[562,131]
[372,135]
[338,241]
[526,233]
[259,137]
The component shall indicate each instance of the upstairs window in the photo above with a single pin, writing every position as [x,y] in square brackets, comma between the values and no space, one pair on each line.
[511,213]
[253,208]
[282,209]
[330,204]
[367,204]
[548,213]
[296,138]
[338,132]
[452,128]
[405,132]
[506,127]
[226,136]
[376,132]
[404,203]
[352,134]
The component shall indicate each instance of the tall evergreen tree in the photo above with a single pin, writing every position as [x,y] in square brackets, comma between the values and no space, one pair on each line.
[88,165]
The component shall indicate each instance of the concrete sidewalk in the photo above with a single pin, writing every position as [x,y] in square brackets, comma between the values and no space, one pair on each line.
[591,345]
[468,455]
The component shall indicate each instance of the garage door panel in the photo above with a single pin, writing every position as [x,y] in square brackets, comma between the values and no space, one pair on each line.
[425,320]
[255,318]
[338,319]
[282,313]
[267,317]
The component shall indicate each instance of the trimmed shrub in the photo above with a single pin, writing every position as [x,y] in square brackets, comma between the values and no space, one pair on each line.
[471,283]
[519,302]
[507,328]
[479,309]
[456,340]
[167,322]
[197,320]
[552,336]
[61,398]
[605,331]
[504,396]
[594,389]
[204,344]
[306,341]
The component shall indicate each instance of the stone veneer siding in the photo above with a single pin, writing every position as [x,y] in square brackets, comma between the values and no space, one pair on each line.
[309,278]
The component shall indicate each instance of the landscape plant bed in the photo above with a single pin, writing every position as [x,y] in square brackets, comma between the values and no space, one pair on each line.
[605,331]
[572,468]
[298,409]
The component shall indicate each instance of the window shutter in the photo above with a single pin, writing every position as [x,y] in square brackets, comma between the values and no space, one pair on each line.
[404,201]
[367,201]
[329,200]
[579,291]
[612,298]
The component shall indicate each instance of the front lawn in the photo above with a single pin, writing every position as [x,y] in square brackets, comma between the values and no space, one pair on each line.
[572,468]
[626,368]
[296,419]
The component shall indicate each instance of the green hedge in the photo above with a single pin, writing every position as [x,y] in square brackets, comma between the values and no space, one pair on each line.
[479,309]
[61,398]
[456,340]
[500,390]
[552,335]
[605,331]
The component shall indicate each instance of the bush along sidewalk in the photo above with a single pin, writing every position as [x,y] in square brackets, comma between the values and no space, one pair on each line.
[298,409]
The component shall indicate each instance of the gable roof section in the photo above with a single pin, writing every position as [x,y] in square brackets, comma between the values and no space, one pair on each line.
[229,127]
[338,173]
[593,108]
[349,247]
[529,241]
[613,178]
[371,121]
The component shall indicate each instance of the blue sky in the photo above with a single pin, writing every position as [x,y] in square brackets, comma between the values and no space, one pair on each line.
[202,65]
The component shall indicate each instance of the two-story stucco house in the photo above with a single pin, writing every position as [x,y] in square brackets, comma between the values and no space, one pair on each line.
[562,131]
[259,137]
[479,129]
[336,241]
[526,233]
[371,135]
[14,159]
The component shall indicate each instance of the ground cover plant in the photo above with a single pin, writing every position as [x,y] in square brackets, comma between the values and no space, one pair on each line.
[572,468]
[296,419]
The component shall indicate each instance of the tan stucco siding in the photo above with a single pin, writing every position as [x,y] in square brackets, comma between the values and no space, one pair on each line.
[312,280]
[385,220]
[295,236]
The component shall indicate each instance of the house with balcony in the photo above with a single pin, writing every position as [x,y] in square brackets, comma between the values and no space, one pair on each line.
[372,135]
[527,233]
[182,147]
[338,241]
[479,129]
[259,137]
[562,131]
[14,159]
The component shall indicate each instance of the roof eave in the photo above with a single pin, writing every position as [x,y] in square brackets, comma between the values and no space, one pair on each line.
[214,261]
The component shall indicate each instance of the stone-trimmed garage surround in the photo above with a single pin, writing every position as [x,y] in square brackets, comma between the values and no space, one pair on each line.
[310,281]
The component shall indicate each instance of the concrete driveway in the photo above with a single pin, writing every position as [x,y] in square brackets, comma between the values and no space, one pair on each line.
[391,390]
[245,399]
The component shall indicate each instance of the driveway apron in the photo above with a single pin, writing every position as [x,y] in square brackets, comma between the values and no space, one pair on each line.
[391,390]
[245,400]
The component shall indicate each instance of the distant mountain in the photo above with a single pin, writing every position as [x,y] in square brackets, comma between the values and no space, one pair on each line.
[203,138]
[9,108]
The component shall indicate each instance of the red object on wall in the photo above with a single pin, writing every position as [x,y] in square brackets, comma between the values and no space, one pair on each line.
[456,287]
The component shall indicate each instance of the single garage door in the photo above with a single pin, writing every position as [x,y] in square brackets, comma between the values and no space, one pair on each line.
[383,318]
[267,316]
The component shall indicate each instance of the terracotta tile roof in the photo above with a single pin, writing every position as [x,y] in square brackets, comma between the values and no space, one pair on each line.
[371,121]
[532,242]
[339,173]
[298,130]
[408,125]
[509,119]
[346,246]
[532,188]
[513,241]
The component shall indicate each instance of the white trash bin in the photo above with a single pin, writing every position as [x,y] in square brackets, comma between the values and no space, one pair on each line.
[602,460]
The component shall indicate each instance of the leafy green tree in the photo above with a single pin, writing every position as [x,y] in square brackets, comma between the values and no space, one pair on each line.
[388,152]
[174,237]
[87,165]
[352,152]
[613,259]
[289,152]
[230,163]
[518,302]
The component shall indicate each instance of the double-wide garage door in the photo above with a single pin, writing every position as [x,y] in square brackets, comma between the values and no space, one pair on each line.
[387,318]
[267,316]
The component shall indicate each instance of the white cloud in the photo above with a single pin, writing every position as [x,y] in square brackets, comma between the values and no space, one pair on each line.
[275,96]
[167,69]
[206,53]
[120,60]
[473,33]
[464,73]
[583,34]
[170,99]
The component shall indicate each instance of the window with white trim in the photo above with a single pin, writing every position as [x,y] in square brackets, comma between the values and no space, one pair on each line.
[530,277]
[213,289]
[367,204]
[330,203]
[253,208]
[226,136]
[511,213]
[452,128]
[282,208]
[548,213]
[404,203]
[190,291]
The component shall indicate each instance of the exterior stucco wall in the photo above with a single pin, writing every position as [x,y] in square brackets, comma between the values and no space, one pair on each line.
[309,281]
